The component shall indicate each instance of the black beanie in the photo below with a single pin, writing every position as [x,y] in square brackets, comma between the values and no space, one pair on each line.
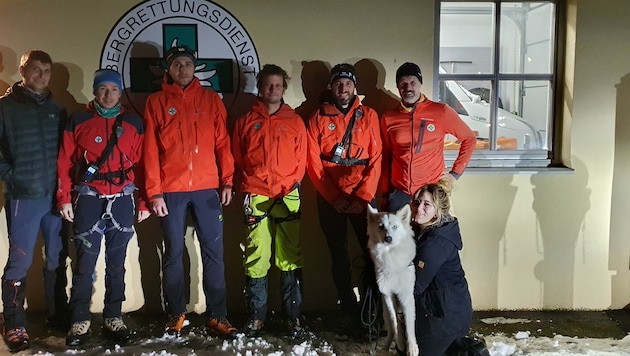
[408,68]
[178,51]
[343,70]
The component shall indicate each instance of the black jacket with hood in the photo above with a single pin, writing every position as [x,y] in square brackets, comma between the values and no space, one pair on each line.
[30,133]
[443,304]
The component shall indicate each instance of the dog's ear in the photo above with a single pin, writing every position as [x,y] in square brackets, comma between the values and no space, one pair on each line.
[371,212]
[405,214]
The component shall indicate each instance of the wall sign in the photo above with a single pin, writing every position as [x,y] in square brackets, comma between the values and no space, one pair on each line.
[227,61]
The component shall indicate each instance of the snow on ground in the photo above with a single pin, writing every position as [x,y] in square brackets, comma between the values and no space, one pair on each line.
[322,343]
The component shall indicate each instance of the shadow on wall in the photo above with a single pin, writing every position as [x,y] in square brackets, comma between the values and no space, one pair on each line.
[8,67]
[147,76]
[241,100]
[67,78]
[619,246]
[487,238]
[315,76]
[560,203]
[370,84]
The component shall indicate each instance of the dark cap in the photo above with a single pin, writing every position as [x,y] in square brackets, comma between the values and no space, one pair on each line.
[343,70]
[179,51]
[408,68]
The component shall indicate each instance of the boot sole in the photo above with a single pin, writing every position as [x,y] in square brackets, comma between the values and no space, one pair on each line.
[21,347]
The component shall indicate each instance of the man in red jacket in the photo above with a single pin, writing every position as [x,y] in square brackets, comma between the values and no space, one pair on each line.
[344,163]
[100,148]
[186,142]
[413,141]
[269,146]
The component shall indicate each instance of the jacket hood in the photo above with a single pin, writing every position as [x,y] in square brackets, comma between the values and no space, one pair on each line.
[330,109]
[423,102]
[260,109]
[172,88]
[450,232]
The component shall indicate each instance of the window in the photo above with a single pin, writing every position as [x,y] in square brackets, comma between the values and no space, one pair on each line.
[497,68]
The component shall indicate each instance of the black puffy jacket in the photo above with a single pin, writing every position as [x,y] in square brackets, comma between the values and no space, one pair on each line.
[29,144]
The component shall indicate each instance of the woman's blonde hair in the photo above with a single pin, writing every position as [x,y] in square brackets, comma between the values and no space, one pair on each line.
[440,193]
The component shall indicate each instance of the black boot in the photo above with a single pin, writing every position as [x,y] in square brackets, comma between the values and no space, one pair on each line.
[58,312]
[291,292]
[14,333]
[256,302]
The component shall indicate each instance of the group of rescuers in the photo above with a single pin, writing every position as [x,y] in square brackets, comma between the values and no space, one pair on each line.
[97,167]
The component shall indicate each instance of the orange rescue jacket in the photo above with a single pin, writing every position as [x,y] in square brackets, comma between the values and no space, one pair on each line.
[270,150]
[326,128]
[186,136]
[413,145]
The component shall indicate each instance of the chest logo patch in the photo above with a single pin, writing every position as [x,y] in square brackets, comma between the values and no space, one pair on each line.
[98,139]
[257,126]
[52,116]
[331,126]
[421,264]
[172,111]
[431,127]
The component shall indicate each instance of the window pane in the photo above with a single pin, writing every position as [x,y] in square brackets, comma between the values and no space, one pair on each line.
[526,38]
[525,114]
[471,108]
[467,37]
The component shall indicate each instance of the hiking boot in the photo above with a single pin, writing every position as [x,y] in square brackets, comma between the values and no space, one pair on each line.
[79,333]
[252,329]
[175,324]
[16,339]
[344,327]
[115,329]
[295,329]
[222,327]
[59,322]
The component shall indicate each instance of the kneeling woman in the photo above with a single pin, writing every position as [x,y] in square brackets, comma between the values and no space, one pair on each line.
[443,304]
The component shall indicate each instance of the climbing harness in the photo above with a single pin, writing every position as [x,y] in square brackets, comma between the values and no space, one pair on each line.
[107,215]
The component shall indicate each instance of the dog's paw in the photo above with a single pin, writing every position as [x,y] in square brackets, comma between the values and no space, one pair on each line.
[412,348]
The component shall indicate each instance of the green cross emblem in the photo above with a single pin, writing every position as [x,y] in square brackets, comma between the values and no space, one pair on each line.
[146,73]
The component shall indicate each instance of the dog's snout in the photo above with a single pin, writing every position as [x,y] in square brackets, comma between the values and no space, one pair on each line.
[388,238]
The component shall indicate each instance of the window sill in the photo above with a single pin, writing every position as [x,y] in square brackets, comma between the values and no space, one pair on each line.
[519,170]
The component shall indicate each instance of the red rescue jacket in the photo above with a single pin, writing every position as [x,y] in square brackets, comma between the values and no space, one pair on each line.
[186,137]
[413,145]
[84,140]
[326,128]
[270,150]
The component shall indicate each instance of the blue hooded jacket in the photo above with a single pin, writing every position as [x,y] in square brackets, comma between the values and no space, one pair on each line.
[443,304]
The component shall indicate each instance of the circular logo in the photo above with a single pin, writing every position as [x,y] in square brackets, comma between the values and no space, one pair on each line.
[331,126]
[431,127]
[172,111]
[98,139]
[257,126]
[227,60]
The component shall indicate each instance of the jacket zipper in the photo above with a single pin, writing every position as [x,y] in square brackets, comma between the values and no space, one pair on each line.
[409,165]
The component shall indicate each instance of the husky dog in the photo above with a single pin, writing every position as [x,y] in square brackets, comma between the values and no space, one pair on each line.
[393,249]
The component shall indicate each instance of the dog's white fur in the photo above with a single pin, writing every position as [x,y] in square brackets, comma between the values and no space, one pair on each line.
[393,249]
